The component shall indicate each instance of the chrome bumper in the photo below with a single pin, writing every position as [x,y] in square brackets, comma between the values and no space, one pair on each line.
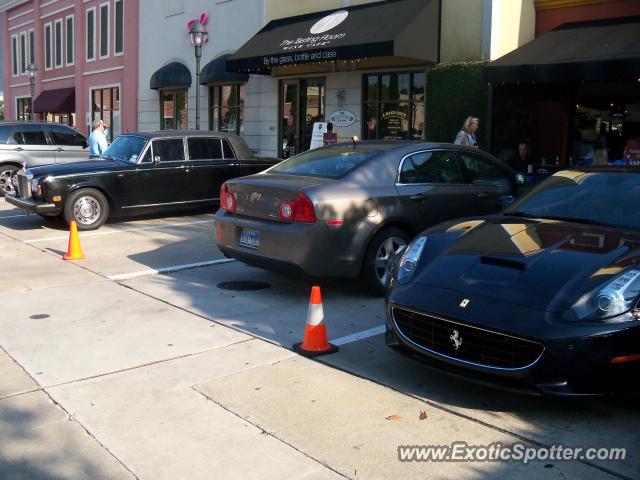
[32,205]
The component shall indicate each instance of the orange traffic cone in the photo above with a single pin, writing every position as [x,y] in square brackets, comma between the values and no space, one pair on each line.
[74,252]
[315,331]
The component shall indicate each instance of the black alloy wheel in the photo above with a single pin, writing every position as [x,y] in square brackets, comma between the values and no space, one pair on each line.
[88,207]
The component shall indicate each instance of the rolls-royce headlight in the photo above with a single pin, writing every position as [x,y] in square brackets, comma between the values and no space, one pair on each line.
[36,187]
[613,302]
[410,258]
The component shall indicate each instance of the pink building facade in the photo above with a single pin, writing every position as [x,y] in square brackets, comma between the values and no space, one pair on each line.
[86,54]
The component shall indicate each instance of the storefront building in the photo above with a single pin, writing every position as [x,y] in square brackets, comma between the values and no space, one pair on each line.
[362,65]
[86,56]
[575,88]
[167,71]
[273,68]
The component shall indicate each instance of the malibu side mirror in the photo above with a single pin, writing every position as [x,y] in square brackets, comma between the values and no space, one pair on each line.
[156,159]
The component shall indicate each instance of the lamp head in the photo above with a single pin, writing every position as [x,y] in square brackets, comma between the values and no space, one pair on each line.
[198,34]
[32,69]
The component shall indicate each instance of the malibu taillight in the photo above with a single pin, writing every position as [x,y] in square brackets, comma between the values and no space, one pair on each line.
[227,199]
[299,210]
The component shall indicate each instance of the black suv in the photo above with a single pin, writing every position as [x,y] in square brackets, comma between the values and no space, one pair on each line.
[34,144]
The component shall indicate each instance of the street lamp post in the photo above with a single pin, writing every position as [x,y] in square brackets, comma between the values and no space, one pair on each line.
[32,69]
[198,35]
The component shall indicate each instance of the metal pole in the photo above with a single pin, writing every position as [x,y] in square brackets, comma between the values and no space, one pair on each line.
[198,55]
[31,81]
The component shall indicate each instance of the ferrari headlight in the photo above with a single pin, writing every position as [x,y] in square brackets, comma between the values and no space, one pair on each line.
[611,301]
[410,258]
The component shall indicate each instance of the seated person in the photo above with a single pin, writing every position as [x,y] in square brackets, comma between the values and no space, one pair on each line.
[522,158]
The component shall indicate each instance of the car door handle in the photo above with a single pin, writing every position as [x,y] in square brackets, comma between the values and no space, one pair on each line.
[59,149]
[18,149]
[483,195]
[418,197]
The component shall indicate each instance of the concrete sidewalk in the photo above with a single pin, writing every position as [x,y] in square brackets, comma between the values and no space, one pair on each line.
[168,377]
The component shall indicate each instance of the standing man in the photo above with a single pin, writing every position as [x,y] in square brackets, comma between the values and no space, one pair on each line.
[97,140]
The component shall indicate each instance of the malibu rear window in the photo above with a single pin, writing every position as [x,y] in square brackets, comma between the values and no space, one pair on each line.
[331,162]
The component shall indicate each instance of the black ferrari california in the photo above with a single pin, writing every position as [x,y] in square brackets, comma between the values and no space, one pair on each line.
[545,295]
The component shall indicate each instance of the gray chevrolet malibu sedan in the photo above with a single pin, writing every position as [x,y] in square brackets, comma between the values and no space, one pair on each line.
[345,210]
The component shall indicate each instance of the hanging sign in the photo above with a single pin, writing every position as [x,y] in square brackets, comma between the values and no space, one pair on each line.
[342,118]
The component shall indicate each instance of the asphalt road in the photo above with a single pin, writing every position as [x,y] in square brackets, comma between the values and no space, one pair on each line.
[137,362]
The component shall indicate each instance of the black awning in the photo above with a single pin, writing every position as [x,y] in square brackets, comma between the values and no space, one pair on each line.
[171,75]
[61,100]
[216,72]
[599,50]
[394,28]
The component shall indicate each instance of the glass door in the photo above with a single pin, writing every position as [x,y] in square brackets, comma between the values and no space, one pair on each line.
[313,93]
[289,108]
[302,103]
[173,110]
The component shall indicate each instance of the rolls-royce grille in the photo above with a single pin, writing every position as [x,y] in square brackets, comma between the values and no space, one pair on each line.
[24,186]
[466,343]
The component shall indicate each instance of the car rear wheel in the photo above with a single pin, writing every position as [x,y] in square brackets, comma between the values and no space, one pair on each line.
[6,174]
[383,247]
[88,207]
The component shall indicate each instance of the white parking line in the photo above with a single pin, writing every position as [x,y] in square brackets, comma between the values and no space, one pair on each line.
[175,268]
[122,230]
[372,332]
[14,216]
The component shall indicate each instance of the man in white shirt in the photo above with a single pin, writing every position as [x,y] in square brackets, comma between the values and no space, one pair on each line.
[97,139]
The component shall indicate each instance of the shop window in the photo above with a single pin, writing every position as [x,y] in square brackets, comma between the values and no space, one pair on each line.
[393,106]
[58,43]
[32,47]
[69,50]
[63,118]
[23,53]
[106,106]
[104,30]
[47,47]
[91,34]
[173,110]
[14,54]
[22,105]
[226,108]
[119,28]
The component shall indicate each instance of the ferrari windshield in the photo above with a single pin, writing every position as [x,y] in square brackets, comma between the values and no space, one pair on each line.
[126,147]
[605,198]
[329,162]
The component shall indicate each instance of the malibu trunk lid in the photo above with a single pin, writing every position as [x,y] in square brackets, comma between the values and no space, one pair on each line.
[260,196]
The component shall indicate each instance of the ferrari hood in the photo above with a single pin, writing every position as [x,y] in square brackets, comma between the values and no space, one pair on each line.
[541,264]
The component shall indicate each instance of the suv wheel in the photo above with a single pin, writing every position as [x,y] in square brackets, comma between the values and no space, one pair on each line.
[88,207]
[6,174]
[384,246]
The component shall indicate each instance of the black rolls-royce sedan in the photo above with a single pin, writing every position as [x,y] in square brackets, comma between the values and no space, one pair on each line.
[545,295]
[139,173]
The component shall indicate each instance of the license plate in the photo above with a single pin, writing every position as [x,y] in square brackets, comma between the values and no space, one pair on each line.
[249,238]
